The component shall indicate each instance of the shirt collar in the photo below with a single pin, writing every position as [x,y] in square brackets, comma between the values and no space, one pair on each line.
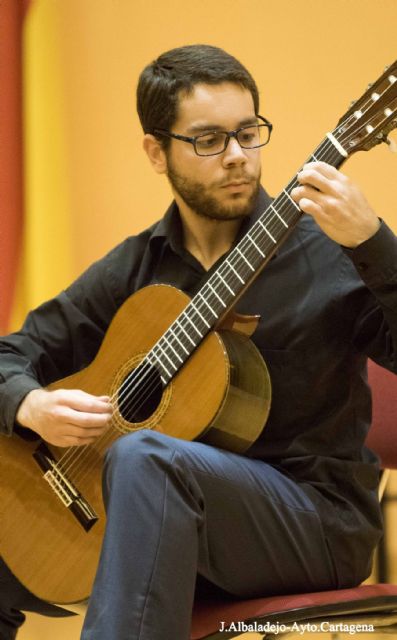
[169,228]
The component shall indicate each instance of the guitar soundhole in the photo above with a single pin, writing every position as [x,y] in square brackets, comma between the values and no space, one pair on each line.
[140,394]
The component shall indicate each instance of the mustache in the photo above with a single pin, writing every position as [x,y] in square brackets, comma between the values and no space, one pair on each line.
[241,177]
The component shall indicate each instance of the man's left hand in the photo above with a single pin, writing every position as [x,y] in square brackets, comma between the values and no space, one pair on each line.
[337,205]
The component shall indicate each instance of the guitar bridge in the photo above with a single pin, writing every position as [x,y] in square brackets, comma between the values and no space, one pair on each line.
[64,488]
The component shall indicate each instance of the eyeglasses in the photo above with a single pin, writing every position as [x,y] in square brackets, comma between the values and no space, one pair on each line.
[212,143]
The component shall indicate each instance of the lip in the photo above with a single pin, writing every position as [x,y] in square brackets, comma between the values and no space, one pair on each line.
[236,184]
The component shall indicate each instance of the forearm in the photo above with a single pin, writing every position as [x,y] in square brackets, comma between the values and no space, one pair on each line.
[376,262]
[47,348]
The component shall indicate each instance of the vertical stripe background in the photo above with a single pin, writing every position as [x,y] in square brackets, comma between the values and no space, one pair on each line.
[11,195]
[85,182]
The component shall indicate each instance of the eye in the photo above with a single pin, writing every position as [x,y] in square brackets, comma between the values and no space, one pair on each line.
[210,140]
[250,134]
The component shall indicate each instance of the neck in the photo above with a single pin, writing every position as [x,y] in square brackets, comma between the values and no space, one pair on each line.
[207,239]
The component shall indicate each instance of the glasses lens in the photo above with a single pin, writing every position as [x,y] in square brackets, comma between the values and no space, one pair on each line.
[210,143]
[253,136]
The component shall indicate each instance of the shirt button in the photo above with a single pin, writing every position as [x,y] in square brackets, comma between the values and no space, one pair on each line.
[362,266]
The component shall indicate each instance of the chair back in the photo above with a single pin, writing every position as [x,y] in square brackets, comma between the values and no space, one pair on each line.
[382,437]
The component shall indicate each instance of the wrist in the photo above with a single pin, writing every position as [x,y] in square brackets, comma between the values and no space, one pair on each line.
[24,415]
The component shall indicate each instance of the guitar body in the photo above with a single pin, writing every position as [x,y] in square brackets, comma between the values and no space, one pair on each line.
[221,395]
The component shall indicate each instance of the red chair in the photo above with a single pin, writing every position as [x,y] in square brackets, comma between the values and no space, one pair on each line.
[336,611]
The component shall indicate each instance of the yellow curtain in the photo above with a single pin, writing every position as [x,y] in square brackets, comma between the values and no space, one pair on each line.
[47,246]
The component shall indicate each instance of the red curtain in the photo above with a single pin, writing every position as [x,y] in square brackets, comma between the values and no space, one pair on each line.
[11,173]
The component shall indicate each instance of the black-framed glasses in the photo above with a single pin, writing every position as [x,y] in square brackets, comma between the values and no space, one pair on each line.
[212,143]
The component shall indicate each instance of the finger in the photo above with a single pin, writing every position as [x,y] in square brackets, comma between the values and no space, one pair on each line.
[62,414]
[312,208]
[75,431]
[89,420]
[306,192]
[82,401]
[327,170]
[70,441]
[323,177]
[314,179]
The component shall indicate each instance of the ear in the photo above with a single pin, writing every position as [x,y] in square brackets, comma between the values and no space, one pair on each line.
[155,153]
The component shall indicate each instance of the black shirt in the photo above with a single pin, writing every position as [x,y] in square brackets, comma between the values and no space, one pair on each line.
[323,310]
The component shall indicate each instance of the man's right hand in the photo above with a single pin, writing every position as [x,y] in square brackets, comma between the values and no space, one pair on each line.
[65,417]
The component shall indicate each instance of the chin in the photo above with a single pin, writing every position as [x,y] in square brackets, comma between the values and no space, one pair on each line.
[232,213]
[239,207]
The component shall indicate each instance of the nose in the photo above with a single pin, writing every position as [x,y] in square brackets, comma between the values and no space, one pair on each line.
[233,153]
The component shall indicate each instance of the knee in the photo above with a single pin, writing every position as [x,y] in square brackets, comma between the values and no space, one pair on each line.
[130,450]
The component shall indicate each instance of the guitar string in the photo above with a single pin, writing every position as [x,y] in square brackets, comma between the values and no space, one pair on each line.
[197,309]
[127,390]
[285,197]
[178,337]
[269,217]
[354,121]
[201,311]
[154,377]
[149,368]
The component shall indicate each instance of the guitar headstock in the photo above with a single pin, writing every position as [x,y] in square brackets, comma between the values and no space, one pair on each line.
[370,118]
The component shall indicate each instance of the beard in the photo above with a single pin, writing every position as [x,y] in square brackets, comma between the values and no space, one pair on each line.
[199,198]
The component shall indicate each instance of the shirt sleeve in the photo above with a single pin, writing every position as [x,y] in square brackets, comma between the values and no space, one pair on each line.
[58,338]
[376,329]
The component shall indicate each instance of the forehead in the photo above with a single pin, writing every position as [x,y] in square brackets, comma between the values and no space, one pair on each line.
[223,105]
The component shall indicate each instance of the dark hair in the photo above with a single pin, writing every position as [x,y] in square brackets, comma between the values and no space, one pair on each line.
[178,70]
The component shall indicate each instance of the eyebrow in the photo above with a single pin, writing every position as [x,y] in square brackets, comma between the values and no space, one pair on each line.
[207,127]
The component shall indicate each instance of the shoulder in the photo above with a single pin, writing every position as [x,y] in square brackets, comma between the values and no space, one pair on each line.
[114,276]
[130,250]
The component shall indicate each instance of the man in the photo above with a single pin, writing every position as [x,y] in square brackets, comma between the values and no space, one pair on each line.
[298,511]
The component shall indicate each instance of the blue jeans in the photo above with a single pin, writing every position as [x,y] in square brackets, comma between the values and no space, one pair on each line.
[179,509]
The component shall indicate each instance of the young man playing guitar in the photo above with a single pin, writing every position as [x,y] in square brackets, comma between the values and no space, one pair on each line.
[297,509]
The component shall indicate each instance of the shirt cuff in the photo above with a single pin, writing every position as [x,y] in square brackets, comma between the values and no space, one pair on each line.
[376,258]
[15,390]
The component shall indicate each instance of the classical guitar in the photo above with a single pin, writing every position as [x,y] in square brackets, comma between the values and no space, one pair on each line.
[182,374]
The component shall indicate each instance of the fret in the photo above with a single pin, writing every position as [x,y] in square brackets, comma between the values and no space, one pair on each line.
[255,245]
[225,283]
[186,334]
[234,271]
[186,315]
[293,201]
[151,355]
[215,293]
[170,330]
[279,217]
[245,259]
[267,231]
[174,337]
[208,305]
[159,346]
[200,315]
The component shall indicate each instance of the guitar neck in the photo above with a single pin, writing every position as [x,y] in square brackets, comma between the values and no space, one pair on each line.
[366,123]
[235,274]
